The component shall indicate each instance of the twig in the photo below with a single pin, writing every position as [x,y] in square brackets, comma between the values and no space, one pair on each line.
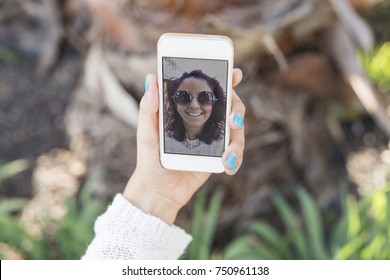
[345,55]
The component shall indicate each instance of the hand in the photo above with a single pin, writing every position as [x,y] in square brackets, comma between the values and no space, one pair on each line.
[161,192]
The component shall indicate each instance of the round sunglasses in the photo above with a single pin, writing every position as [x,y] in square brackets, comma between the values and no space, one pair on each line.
[204,98]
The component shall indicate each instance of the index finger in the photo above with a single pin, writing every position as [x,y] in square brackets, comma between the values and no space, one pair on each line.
[237,76]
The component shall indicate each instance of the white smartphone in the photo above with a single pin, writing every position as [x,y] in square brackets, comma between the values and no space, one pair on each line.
[195,84]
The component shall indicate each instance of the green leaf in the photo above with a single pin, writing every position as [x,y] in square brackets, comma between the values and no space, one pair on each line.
[372,250]
[313,223]
[196,225]
[354,226]
[269,234]
[78,223]
[379,206]
[378,65]
[9,205]
[210,225]
[14,234]
[266,252]
[351,249]
[12,168]
[387,219]
[339,234]
[293,227]
[242,248]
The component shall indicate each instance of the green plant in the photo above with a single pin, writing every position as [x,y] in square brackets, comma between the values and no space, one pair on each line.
[204,222]
[76,230]
[362,231]
[72,234]
[377,65]
[11,230]
[15,235]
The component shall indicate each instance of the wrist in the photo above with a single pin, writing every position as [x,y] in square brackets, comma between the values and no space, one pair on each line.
[146,198]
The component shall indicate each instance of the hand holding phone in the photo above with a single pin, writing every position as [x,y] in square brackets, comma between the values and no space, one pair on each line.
[195,84]
[162,192]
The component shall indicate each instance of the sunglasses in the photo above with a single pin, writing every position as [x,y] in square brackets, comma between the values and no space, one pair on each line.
[204,98]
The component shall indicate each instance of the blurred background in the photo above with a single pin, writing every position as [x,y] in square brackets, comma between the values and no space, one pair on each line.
[315,182]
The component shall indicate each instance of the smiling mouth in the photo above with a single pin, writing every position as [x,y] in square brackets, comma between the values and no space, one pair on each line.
[194,114]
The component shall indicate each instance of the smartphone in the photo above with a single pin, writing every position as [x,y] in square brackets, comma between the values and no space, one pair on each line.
[195,84]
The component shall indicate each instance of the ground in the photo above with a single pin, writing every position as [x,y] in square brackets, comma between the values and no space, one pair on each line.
[32,108]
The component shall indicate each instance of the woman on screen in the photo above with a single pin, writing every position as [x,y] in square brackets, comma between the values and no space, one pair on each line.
[195,115]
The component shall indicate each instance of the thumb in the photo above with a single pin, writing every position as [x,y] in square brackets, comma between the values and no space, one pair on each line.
[147,132]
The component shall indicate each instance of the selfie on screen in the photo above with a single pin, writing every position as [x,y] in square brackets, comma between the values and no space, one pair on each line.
[194,106]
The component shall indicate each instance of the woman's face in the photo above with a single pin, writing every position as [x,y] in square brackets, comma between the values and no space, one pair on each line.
[194,115]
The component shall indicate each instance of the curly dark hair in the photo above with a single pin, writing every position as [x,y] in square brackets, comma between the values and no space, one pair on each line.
[214,126]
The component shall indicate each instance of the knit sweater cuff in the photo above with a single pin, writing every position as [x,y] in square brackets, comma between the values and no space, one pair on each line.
[125,232]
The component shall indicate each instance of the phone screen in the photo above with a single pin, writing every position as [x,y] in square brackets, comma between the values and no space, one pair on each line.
[194,104]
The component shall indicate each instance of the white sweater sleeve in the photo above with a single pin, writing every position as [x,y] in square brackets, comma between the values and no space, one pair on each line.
[125,232]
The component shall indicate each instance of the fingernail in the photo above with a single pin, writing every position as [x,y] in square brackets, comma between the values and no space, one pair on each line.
[231,160]
[146,84]
[234,169]
[238,70]
[238,120]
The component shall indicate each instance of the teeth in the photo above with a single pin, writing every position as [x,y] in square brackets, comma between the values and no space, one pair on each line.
[194,114]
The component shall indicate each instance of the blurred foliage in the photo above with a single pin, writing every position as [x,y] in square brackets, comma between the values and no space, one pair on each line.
[377,65]
[360,231]
[72,234]
[15,235]
[76,231]
[11,230]
[204,222]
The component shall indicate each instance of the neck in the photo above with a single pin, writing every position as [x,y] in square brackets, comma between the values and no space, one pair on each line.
[191,133]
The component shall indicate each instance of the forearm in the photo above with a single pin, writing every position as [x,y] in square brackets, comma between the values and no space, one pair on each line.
[150,201]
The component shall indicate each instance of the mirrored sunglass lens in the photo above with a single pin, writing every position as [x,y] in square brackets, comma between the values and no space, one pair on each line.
[183,97]
[205,98]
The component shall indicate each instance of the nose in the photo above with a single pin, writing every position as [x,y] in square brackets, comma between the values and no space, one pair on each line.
[194,103]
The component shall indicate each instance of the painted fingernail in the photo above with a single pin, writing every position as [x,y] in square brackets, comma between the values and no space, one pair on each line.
[238,120]
[231,160]
[146,84]
[234,168]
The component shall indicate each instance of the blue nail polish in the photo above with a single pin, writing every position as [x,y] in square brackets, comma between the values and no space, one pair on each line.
[238,120]
[146,85]
[231,160]
[234,169]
